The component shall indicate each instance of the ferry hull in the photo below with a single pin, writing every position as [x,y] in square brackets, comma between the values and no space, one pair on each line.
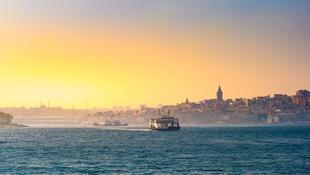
[166,129]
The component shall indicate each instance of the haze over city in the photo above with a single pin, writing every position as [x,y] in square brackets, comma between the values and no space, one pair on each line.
[150,52]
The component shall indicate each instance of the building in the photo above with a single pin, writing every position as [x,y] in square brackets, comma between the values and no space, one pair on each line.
[220,103]
[186,101]
[303,93]
[301,98]
[219,95]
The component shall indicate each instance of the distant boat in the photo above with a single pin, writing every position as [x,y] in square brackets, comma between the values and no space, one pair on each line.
[164,123]
[111,123]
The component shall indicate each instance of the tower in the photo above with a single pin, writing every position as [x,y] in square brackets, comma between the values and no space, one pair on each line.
[186,101]
[219,95]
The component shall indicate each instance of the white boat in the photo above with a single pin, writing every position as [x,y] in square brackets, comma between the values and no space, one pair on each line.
[164,123]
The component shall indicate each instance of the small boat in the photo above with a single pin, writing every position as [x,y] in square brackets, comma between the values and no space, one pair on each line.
[164,123]
[111,123]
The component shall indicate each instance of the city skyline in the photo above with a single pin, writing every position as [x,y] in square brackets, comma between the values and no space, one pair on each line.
[116,53]
[219,97]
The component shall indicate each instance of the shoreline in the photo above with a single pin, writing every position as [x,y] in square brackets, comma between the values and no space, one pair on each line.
[16,126]
[13,125]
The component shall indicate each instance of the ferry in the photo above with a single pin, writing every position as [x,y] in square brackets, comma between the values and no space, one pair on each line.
[111,123]
[164,123]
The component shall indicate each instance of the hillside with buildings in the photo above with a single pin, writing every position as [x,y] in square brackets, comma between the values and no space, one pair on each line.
[279,108]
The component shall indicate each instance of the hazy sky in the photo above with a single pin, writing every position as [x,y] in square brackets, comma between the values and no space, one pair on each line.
[131,52]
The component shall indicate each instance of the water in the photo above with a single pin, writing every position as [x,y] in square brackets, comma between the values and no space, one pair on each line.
[208,150]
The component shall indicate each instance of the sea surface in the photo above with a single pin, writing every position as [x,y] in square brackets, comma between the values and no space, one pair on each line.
[197,150]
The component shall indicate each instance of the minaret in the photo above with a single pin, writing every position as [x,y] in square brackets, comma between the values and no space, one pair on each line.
[219,95]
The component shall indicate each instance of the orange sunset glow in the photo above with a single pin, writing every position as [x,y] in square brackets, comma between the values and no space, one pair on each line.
[148,61]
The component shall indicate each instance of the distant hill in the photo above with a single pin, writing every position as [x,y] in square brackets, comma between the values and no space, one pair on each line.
[5,119]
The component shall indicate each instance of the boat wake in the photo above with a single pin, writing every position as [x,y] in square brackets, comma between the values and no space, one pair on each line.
[126,129]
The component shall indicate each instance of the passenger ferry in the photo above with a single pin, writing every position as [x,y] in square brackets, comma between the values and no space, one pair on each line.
[164,123]
[111,123]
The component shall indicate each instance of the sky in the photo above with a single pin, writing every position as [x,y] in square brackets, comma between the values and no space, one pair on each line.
[107,53]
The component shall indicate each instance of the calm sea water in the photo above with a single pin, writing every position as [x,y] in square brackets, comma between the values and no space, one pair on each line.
[208,150]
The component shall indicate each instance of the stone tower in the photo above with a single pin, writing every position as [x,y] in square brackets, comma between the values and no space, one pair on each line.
[219,95]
